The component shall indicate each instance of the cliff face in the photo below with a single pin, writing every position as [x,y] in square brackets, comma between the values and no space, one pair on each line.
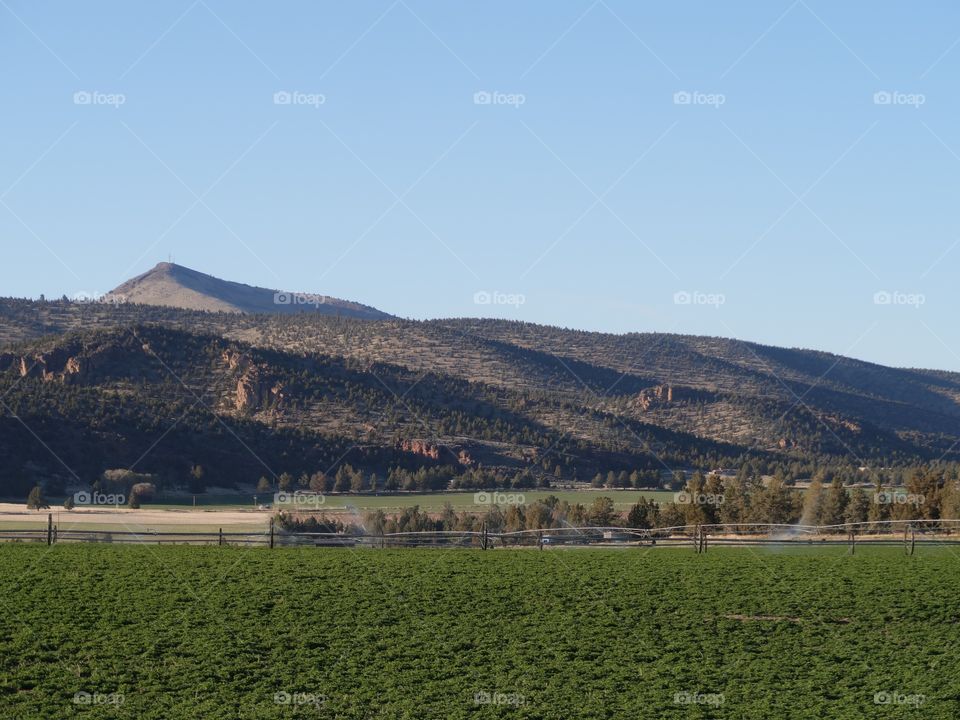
[420,447]
[66,364]
[255,389]
[446,453]
[257,392]
[664,395]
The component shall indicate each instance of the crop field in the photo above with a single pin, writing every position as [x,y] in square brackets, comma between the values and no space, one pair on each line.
[97,631]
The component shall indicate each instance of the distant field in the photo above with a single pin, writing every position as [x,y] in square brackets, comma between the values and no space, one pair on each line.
[623,499]
[230,513]
[163,632]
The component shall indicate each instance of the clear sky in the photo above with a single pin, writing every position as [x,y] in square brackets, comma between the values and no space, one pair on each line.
[760,170]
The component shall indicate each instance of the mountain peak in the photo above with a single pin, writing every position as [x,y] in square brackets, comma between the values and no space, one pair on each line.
[172,285]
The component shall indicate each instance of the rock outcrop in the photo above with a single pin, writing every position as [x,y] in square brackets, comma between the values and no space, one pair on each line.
[257,391]
[663,395]
[236,359]
[426,449]
[420,447]
[58,364]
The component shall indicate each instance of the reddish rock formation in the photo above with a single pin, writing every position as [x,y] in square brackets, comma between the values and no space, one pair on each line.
[235,360]
[54,365]
[843,423]
[662,395]
[29,366]
[434,452]
[419,447]
[257,391]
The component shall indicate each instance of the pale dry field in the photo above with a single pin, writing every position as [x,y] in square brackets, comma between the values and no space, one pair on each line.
[16,516]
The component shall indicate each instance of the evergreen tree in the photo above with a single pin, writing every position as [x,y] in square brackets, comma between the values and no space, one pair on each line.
[318,482]
[834,503]
[602,512]
[812,503]
[774,504]
[858,508]
[35,500]
[644,515]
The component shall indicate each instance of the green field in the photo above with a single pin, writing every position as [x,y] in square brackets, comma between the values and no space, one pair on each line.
[622,499]
[175,632]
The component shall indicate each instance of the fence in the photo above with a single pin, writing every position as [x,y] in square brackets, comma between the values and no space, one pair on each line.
[890,532]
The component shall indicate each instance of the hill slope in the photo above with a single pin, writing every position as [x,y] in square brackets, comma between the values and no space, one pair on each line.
[101,386]
[177,286]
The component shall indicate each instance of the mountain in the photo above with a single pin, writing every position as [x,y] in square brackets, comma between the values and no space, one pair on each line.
[173,285]
[97,386]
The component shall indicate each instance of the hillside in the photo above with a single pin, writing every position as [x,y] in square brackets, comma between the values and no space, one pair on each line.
[106,386]
[176,286]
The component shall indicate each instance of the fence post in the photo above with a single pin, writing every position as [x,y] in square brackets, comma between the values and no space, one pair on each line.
[271,533]
[49,529]
[221,537]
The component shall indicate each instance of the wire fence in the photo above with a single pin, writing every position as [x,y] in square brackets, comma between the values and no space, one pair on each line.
[908,533]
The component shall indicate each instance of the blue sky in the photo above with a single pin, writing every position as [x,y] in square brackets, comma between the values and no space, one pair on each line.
[685,167]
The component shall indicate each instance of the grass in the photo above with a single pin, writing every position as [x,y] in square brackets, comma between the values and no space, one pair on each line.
[225,632]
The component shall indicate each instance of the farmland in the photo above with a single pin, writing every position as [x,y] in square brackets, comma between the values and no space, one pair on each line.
[160,632]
